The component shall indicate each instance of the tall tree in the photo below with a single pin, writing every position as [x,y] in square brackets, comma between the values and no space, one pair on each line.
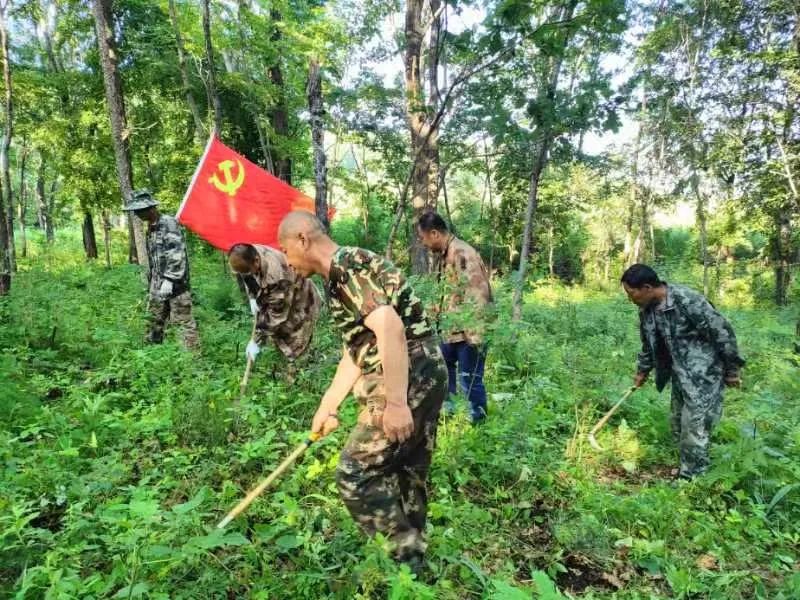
[22,203]
[8,131]
[279,115]
[421,114]
[542,145]
[211,71]
[197,119]
[119,126]
[317,111]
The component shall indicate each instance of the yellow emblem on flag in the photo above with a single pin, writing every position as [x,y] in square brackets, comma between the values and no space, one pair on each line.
[229,185]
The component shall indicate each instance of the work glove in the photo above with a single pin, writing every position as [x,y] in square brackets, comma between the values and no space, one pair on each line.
[165,291]
[253,307]
[252,350]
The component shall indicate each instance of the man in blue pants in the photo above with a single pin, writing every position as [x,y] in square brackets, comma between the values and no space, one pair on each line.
[466,300]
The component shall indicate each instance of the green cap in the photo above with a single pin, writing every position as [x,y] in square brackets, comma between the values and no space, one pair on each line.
[141,199]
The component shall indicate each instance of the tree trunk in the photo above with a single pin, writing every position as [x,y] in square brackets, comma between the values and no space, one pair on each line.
[782,249]
[539,163]
[262,141]
[527,234]
[107,238]
[551,252]
[702,220]
[43,213]
[22,205]
[137,251]
[89,239]
[7,135]
[199,130]
[211,84]
[424,133]
[315,107]
[279,117]
[628,251]
[640,245]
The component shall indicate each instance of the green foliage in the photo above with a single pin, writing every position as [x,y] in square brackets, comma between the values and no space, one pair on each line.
[120,458]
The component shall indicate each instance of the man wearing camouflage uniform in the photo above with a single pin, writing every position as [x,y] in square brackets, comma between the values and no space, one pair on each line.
[168,276]
[284,304]
[466,297]
[393,365]
[686,340]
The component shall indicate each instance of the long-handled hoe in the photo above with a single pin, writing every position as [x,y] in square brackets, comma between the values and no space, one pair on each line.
[256,491]
[592,441]
[247,370]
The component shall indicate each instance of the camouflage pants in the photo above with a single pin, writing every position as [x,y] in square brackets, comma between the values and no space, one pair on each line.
[694,416]
[382,483]
[179,310]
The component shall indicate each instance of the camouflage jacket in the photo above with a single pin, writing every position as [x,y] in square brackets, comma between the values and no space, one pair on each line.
[288,304]
[166,251]
[687,338]
[466,294]
[359,282]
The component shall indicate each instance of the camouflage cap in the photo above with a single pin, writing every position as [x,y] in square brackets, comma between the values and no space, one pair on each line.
[141,199]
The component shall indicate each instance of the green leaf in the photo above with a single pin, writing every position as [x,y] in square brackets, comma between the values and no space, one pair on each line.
[137,591]
[186,507]
[288,542]
[545,587]
[780,494]
[505,591]
[216,539]
[143,508]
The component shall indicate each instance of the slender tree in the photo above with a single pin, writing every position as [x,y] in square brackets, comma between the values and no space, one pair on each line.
[317,111]
[211,71]
[8,132]
[541,151]
[197,119]
[119,125]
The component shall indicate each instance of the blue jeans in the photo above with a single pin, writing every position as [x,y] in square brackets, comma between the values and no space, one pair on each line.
[467,361]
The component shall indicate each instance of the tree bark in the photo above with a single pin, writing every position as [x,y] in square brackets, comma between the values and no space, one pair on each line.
[22,205]
[317,110]
[701,228]
[279,117]
[8,190]
[43,212]
[527,234]
[107,238]
[423,128]
[782,249]
[199,130]
[211,78]
[540,161]
[137,251]
[89,239]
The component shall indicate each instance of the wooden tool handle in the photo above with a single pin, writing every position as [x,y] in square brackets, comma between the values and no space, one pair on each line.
[256,491]
[611,412]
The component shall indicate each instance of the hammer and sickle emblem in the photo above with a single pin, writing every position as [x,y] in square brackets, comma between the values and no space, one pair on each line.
[229,185]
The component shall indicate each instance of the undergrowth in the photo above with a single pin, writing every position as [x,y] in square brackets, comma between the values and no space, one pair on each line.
[119,459]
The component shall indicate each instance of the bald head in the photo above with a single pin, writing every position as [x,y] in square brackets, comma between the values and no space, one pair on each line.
[307,247]
[300,222]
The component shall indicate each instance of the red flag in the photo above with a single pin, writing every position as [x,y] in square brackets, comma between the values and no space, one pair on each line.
[232,200]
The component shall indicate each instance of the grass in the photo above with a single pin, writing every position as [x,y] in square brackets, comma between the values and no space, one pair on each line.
[119,458]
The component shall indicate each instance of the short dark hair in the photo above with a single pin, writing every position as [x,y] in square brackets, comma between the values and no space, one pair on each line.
[431,221]
[639,275]
[244,252]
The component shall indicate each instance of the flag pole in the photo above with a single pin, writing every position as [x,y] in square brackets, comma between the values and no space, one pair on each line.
[196,173]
